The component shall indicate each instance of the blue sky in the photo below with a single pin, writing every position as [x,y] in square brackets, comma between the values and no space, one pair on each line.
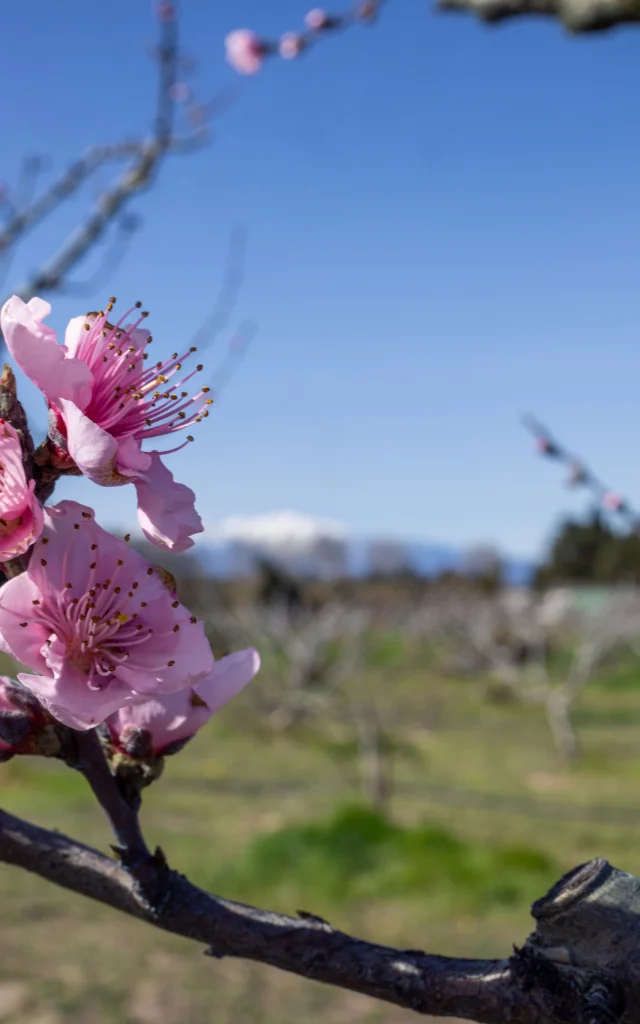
[443,232]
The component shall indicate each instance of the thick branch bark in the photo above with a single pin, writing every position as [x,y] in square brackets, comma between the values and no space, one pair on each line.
[580,965]
[575,15]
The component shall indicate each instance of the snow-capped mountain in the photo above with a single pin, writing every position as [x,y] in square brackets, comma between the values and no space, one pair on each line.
[325,549]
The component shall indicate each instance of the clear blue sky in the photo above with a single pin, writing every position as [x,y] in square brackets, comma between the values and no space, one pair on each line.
[443,223]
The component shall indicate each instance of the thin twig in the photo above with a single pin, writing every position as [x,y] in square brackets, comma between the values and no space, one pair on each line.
[122,817]
[144,156]
[580,474]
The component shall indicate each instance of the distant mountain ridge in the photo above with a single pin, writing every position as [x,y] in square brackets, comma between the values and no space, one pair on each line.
[323,548]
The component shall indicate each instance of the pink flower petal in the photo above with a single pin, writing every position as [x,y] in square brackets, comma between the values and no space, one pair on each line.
[19,599]
[166,509]
[178,716]
[92,449]
[169,719]
[130,459]
[20,512]
[69,700]
[230,675]
[34,347]
[177,658]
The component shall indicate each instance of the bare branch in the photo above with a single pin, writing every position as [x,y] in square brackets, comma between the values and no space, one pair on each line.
[575,15]
[580,475]
[559,975]
[23,220]
[137,177]
[144,157]
[117,249]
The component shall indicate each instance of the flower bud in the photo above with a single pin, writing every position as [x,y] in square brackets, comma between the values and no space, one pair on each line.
[367,10]
[136,742]
[26,727]
[15,726]
[317,20]
[545,446]
[613,501]
[245,51]
[291,45]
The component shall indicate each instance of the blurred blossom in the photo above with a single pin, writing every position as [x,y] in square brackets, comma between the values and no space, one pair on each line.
[317,19]
[291,45]
[245,51]
[613,501]
[367,10]
[166,12]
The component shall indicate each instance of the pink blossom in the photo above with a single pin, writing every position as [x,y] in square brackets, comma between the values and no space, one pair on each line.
[166,12]
[20,512]
[613,501]
[317,19]
[104,402]
[176,717]
[544,446]
[291,45]
[96,623]
[245,51]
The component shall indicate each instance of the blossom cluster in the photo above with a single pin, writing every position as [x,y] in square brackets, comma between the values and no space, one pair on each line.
[246,51]
[100,631]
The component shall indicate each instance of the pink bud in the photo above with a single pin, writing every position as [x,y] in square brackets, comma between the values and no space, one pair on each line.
[317,19]
[291,45]
[166,12]
[542,444]
[367,10]
[612,500]
[245,51]
[180,92]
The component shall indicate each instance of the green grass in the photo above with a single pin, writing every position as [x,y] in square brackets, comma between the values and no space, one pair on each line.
[358,854]
[484,818]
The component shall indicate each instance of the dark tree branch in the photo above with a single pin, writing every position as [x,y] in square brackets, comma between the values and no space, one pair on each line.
[575,15]
[580,966]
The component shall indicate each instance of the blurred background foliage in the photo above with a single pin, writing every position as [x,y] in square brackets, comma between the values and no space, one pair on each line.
[392,769]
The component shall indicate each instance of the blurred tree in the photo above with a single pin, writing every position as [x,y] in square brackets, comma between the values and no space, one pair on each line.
[278,587]
[590,552]
[388,557]
[483,564]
